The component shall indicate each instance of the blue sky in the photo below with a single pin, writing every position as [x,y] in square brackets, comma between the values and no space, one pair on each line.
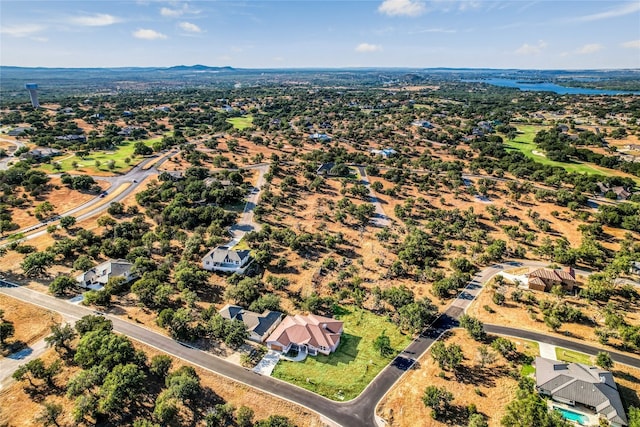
[541,34]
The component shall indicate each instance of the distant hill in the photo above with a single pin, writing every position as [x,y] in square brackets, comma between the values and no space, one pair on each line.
[199,67]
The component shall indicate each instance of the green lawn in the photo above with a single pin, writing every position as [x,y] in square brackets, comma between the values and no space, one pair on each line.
[572,356]
[524,143]
[88,164]
[241,122]
[527,370]
[344,374]
[532,348]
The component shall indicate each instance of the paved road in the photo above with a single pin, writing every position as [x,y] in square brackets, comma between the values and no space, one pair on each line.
[380,219]
[133,178]
[247,222]
[591,350]
[359,412]
[4,163]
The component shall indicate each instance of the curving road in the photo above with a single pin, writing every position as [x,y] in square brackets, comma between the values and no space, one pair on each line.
[134,178]
[359,412]
[4,162]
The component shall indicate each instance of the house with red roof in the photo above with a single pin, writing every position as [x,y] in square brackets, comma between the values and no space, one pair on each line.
[312,334]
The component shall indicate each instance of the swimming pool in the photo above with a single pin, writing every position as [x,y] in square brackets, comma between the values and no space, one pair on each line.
[572,416]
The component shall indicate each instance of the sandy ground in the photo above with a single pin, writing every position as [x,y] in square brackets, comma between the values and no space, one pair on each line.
[61,197]
[31,323]
[489,388]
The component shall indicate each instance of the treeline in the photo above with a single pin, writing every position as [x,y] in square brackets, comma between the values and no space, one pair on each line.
[118,385]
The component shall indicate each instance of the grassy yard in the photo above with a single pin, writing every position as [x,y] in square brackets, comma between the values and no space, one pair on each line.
[241,122]
[527,370]
[88,164]
[344,374]
[524,143]
[572,356]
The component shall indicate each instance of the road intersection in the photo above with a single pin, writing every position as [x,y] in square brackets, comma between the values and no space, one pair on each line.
[357,412]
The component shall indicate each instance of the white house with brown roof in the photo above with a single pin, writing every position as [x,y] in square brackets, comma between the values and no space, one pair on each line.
[312,334]
[543,279]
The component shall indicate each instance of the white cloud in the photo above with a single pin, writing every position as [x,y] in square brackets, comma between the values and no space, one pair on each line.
[165,11]
[589,48]
[21,30]
[528,49]
[147,34]
[367,47]
[402,7]
[632,44]
[97,20]
[177,11]
[626,9]
[435,30]
[189,27]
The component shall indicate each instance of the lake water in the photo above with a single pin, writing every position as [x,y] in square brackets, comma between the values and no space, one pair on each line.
[552,87]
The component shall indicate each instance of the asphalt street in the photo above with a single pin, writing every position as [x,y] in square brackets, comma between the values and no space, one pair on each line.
[357,412]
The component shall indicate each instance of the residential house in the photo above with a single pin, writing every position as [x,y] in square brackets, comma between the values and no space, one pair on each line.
[41,153]
[322,137]
[581,391]
[620,192]
[422,123]
[325,169]
[225,259]
[71,137]
[543,279]
[312,334]
[98,276]
[486,126]
[127,130]
[19,131]
[171,176]
[215,181]
[386,153]
[259,326]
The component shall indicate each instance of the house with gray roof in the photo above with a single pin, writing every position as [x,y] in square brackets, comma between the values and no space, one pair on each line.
[98,276]
[259,326]
[580,391]
[226,259]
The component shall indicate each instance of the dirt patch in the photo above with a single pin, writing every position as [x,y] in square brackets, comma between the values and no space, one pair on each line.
[528,316]
[61,197]
[31,323]
[490,388]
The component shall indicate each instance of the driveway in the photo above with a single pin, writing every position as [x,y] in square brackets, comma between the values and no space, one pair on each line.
[267,364]
[380,219]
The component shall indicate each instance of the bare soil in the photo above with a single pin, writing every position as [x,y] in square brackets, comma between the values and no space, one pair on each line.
[31,322]
[490,388]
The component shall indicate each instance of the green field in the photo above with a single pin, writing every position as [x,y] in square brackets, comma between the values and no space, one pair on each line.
[241,122]
[88,164]
[344,374]
[524,143]
[572,356]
